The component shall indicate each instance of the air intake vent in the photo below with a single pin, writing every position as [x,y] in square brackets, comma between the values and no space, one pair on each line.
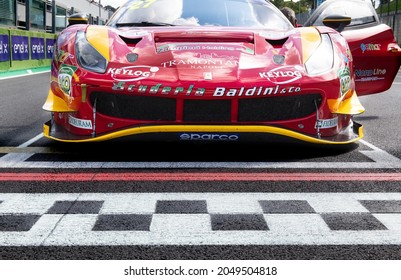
[277,43]
[131,42]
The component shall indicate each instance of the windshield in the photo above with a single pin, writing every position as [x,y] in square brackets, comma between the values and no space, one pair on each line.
[241,13]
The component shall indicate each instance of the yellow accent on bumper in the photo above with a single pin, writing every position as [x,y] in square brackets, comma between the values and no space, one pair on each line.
[55,104]
[98,37]
[206,129]
[349,106]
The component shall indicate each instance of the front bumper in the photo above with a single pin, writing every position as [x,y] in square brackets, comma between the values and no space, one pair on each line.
[216,133]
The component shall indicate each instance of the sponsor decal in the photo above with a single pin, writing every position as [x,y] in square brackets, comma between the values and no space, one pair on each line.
[345,80]
[369,72]
[49,47]
[37,48]
[20,47]
[282,75]
[369,79]
[208,137]
[370,75]
[62,56]
[370,47]
[329,123]
[208,47]
[65,75]
[158,89]
[201,61]
[132,73]
[254,91]
[4,48]
[176,47]
[84,124]
[191,90]
[344,57]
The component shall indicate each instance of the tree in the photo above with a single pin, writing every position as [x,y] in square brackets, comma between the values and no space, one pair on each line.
[298,7]
[110,8]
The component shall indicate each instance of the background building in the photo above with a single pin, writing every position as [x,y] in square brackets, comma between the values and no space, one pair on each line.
[49,15]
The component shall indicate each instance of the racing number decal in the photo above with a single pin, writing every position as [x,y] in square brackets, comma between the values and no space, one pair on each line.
[65,75]
[141,4]
[65,84]
[345,80]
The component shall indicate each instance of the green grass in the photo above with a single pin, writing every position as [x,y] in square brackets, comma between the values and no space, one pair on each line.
[389,7]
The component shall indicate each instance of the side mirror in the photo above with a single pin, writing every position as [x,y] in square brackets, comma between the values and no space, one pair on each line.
[337,22]
[78,18]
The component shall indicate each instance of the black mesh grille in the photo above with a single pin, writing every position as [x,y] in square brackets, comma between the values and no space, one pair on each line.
[151,108]
[277,108]
[207,110]
[135,107]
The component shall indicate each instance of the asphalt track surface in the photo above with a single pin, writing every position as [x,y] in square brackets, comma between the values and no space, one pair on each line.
[108,201]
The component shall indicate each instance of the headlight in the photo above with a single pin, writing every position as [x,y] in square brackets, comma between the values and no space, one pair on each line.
[322,59]
[87,56]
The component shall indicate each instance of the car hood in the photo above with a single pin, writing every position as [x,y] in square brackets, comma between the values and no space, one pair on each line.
[189,54]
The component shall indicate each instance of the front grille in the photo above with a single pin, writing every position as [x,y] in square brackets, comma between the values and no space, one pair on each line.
[152,108]
[277,108]
[207,111]
[148,108]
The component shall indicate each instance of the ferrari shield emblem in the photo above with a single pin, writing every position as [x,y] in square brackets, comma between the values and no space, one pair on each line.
[278,59]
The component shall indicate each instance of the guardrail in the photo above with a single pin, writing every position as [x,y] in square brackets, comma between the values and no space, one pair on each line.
[394,21]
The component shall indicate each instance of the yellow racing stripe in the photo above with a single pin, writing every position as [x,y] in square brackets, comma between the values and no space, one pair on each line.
[310,39]
[98,37]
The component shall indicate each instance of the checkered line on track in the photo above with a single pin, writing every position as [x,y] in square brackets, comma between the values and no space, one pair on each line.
[199,218]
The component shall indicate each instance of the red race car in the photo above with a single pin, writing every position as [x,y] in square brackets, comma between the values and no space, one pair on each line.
[218,70]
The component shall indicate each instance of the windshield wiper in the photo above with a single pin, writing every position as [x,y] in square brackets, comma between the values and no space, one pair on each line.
[143,23]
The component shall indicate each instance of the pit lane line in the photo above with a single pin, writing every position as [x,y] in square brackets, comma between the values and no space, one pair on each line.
[16,158]
[22,73]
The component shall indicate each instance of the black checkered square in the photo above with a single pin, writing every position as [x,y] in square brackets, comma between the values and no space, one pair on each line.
[382,206]
[17,222]
[286,207]
[75,207]
[352,221]
[181,207]
[238,222]
[123,222]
